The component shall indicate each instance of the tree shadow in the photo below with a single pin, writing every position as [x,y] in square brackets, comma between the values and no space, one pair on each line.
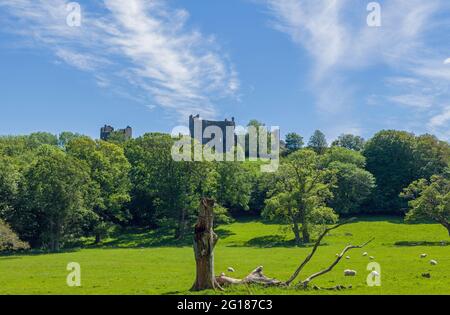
[143,238]
[270,241]
[36,252]
[420,243]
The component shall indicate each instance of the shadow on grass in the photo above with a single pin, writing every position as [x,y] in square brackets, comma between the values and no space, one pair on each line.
[36,252]
[270,241]
[142,238]
[420,243]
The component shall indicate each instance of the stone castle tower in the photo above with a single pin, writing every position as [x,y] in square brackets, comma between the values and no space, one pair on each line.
[198,125]
[107,131]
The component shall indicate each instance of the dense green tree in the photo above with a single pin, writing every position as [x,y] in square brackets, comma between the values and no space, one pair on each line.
[301,191]
[166,192]
[66,136]
[109,168]
[390,158]
[293,142]
[318,142]
[350,142]
[55,199]
[429,200]
[234,185]
[432,156]
[9,241]
[354,185]
[39,138]
[397,158]
[9,177]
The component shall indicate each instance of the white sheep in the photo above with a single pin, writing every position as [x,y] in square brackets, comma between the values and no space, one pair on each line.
[372,258]
[230,269]
[365,254]
[433,262]
[423,256]
[348,257]
[349,273]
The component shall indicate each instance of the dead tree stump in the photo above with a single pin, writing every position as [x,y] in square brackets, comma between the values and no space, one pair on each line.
[204,242]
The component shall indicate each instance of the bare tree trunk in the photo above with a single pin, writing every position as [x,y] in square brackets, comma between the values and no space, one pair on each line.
[296,231]
[295,227]
[305,232]
[98,238]
[204,242]
[181,225]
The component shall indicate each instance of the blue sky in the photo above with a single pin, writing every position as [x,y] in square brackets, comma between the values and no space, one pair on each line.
[298,64]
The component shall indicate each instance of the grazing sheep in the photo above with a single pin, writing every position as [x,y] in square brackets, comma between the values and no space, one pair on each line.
[337,255]
[372,258]
[365,254]
[423,255]
[230,269]
[348,257]
[349,273]
[433,262]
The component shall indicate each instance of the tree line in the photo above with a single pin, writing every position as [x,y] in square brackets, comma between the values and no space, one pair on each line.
[55,190]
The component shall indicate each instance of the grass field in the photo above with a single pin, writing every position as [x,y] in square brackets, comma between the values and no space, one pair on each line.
[148,263]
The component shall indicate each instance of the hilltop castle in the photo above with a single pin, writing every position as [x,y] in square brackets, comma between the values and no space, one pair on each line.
[107,131]
[197,127]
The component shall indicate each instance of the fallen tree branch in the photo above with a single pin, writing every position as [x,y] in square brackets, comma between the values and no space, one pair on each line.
[306,282]
[255,277]
[316,245]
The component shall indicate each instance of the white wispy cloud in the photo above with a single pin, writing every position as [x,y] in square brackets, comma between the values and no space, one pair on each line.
[341,45]
[145,44]
[441,119]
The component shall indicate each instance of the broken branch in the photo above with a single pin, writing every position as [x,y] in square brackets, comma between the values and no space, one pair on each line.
[316,245]
[338,259]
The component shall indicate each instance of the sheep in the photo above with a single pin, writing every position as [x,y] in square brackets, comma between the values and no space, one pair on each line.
[349,273]
[433,262]
[372,258]
[348,257]
[230,269]
[423,256]
[365,254]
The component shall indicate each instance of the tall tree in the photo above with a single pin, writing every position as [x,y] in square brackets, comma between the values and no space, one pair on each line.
[318,142]
[109,169]
[165,192]
[397,158]
[55,198]
[390,158]
[294,142]
[429,200]
[354,184]
[301,191]
[350,142]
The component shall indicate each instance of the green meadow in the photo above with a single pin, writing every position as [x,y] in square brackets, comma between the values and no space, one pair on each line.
[141,262]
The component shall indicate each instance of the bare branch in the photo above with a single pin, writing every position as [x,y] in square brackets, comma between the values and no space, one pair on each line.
[316,245]
[255,277]
[338,259]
